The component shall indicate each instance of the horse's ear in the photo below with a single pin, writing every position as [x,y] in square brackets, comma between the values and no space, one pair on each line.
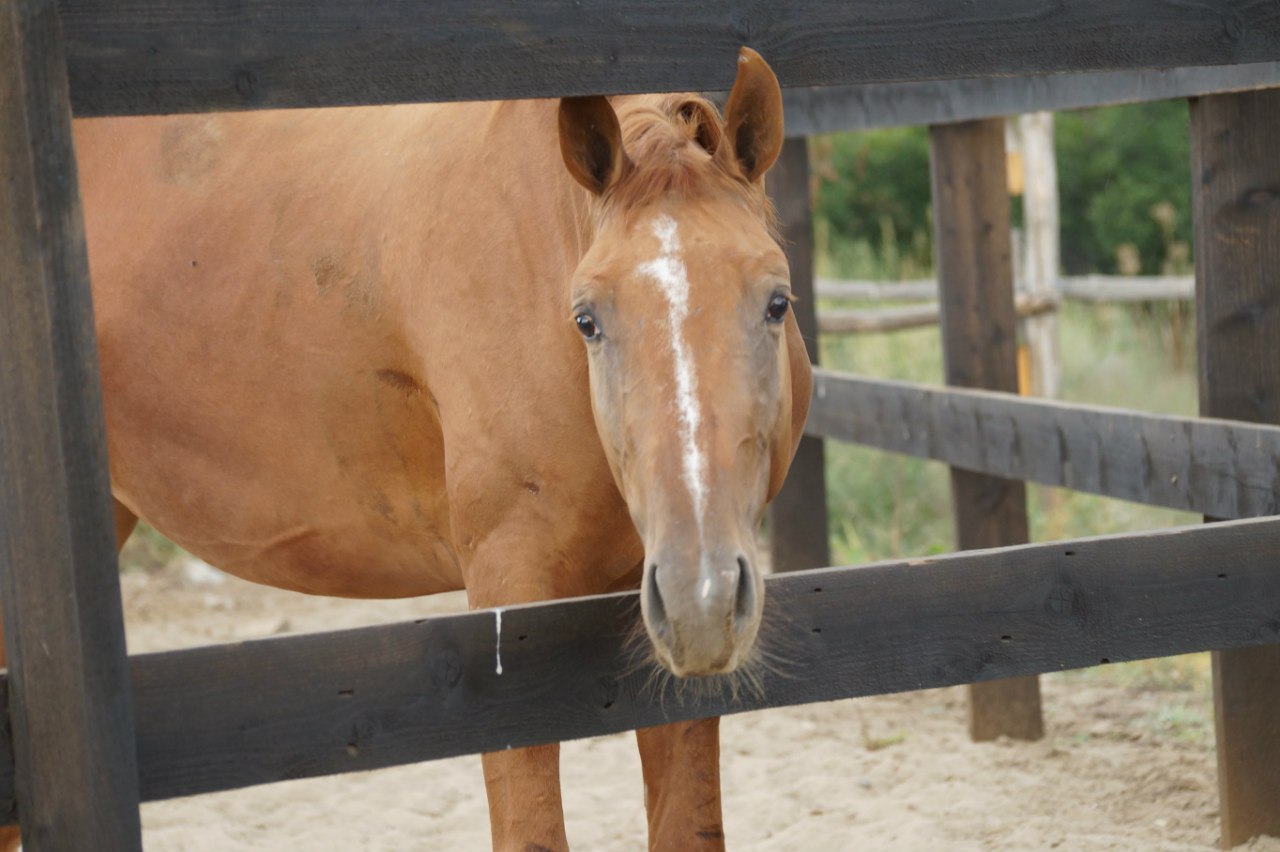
[752,117]
[591,142]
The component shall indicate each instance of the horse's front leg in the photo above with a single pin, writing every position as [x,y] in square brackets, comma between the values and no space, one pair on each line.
[681,765]
[526,813]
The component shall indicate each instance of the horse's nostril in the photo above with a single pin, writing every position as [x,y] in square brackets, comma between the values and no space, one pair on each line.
[744,606]
[656,610]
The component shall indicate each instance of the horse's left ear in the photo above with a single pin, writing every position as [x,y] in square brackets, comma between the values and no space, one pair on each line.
[591,142]
[752,118]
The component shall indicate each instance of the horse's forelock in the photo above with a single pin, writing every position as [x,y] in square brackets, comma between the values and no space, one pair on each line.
[663,135]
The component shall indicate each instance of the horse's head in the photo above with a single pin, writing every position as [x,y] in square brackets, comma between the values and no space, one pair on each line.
[683,303]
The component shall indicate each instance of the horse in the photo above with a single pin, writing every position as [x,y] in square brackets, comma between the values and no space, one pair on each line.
[529,349]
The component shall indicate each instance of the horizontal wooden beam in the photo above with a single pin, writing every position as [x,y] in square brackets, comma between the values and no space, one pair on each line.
[921,290]
[1082,288]
[874,320]
[159,56]
[1121,288]
[833,109]
[1217,467]
[234,715]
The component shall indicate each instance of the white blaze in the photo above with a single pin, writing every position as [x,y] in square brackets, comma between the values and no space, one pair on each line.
[669,271]
[498,625]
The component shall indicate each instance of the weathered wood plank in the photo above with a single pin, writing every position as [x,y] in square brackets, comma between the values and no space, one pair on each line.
[1221,468]
[1084,288]
[1235,171]
[834,109]
[69,709]
[878,320]
[979,339]
[907,291]
[798,535]
[148,56]
[250,713]
[1120,288]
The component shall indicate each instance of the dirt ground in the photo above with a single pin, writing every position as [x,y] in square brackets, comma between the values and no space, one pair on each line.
[1127,764]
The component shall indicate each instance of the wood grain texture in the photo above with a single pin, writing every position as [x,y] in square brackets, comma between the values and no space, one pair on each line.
[250,713]
[833,109]
[1221,468]
[979,339]
[149,56]
[1235,172]
[798,536]
[68,692]
[879,320]
[1083,288]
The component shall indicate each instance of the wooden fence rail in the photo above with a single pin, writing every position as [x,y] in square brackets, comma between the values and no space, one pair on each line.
[1084,288]
[843,321]
[234,715]
[148,56]
[1221,468]
[835,109]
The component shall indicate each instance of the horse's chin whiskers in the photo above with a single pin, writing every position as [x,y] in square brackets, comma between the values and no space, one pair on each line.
[747,682]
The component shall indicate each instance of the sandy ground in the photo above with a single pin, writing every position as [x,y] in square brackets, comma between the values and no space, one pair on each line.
[1122,768]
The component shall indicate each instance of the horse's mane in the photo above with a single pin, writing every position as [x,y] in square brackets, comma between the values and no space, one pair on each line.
[670,140]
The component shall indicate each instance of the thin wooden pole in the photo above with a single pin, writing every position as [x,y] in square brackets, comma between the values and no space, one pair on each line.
[69,696]
[975,273]
[1040,268]
[1235,173]
[798,515]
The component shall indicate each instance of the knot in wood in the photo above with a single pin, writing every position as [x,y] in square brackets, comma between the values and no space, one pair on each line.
[446,671]
[1061,601]
[607,691]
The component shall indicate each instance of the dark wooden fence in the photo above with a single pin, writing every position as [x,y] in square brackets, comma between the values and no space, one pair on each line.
[92,732]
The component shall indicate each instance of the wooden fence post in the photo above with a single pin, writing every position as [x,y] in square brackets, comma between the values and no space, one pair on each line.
[798,515]
[1235,173]
[979,336]
[69,697]
[1041,265]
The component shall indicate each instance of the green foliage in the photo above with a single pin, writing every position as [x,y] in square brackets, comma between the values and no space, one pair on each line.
[1124,177]
[872,201]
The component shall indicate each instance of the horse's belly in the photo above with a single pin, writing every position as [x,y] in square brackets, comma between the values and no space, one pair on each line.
[322,474]
[297,521]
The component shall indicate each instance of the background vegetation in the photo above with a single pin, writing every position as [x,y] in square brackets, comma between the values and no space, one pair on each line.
[1124,182]
[1123,175]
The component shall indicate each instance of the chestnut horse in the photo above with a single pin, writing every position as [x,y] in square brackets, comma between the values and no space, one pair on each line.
[531,349]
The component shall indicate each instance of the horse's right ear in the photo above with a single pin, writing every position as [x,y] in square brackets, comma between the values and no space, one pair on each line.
[591,142]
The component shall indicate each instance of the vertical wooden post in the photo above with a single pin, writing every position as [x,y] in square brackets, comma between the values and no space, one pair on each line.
[798,515]
[1040,216]
[975,275]
[1235,172]
[69,699]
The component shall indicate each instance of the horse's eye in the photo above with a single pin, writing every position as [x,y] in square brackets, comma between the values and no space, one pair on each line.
[777,310]
[587,326]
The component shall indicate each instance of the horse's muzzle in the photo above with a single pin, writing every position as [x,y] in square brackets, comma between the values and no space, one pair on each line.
[703,619]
